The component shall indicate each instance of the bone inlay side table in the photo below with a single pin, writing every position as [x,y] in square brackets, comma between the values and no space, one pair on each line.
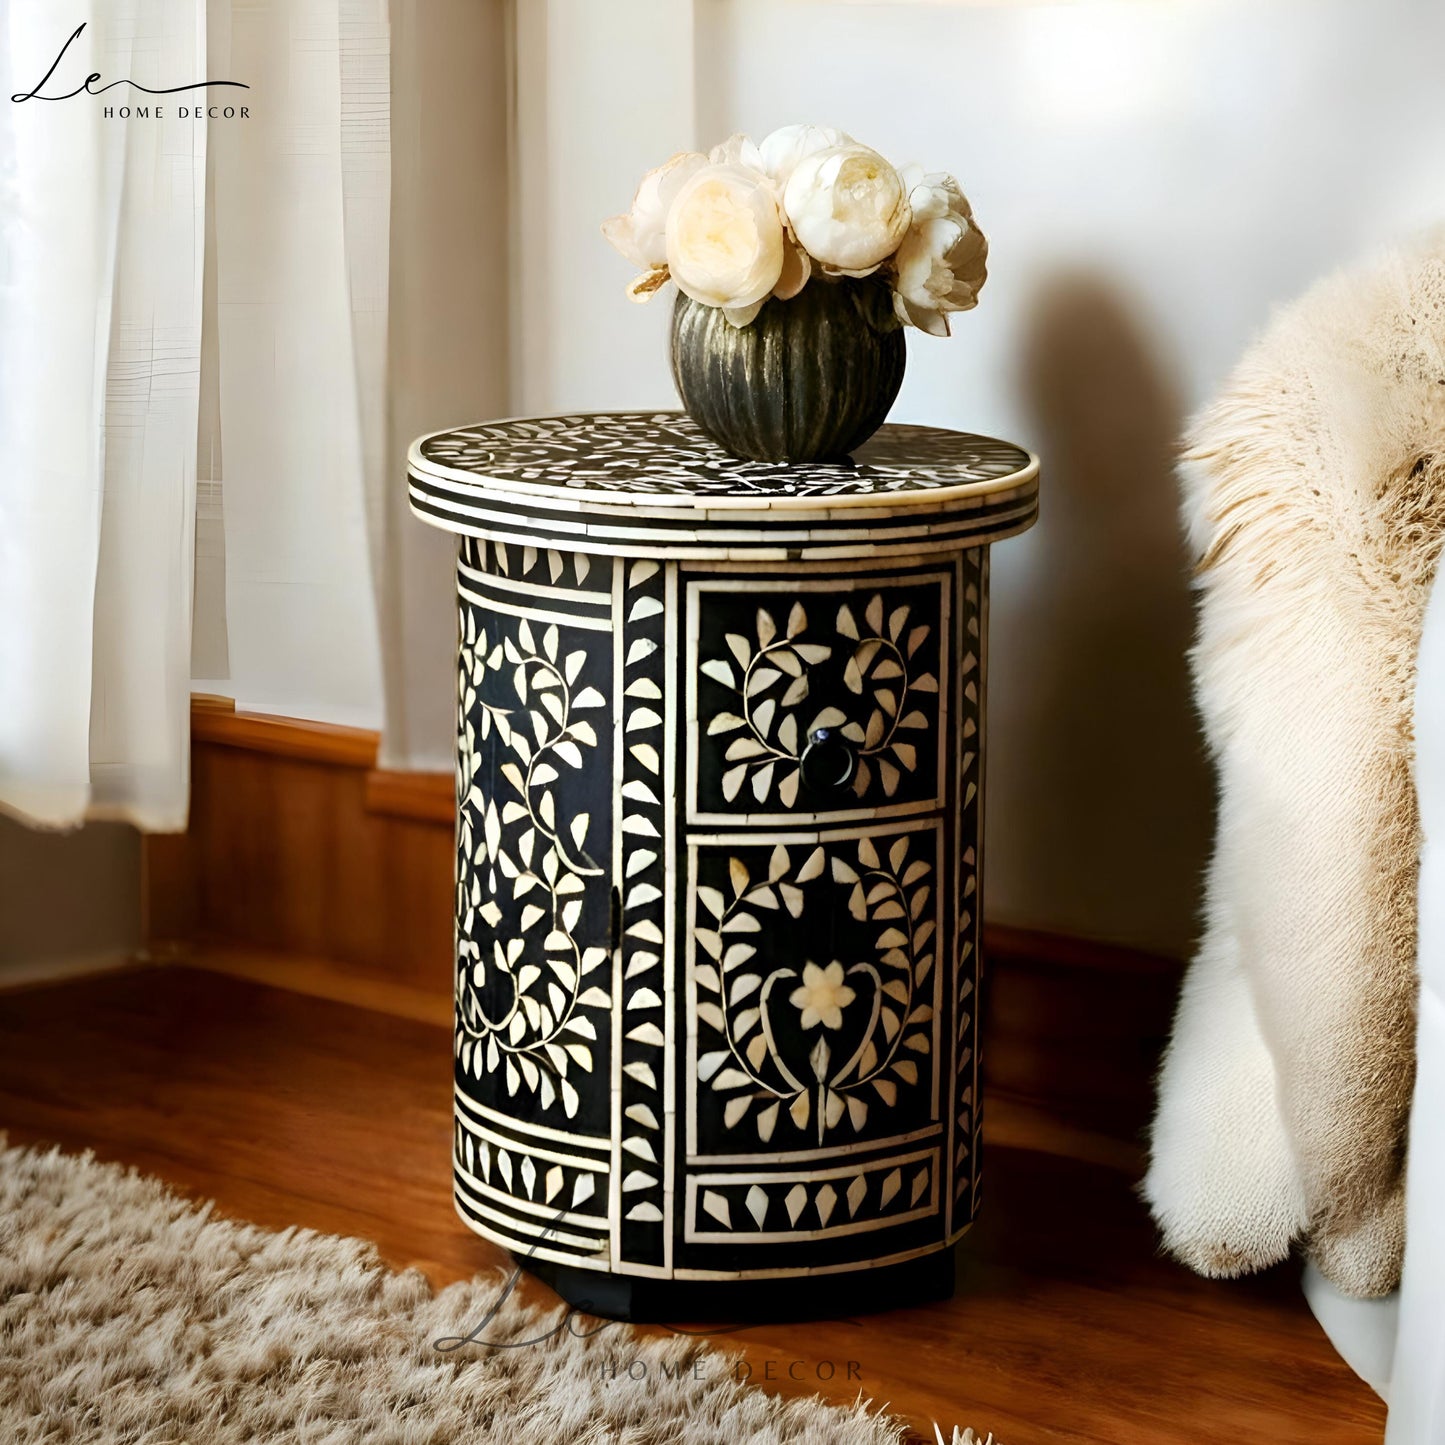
[719,761]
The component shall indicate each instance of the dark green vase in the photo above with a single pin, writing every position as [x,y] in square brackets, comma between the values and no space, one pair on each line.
[806,380]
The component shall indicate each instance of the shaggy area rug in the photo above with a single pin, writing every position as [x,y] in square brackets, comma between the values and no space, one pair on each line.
[128,1314]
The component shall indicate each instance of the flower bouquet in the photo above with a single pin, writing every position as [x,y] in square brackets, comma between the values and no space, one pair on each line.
[798,261]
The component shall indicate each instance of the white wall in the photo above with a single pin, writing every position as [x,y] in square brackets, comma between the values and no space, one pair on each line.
[1153,178]
[604,91]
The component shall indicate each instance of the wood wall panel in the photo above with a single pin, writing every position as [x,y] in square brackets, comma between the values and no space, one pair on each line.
[299,849]
[285,855]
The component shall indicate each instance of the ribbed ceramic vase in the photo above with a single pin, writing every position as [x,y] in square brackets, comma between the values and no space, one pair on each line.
[808,379]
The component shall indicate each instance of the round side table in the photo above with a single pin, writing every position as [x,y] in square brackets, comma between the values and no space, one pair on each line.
[719,771]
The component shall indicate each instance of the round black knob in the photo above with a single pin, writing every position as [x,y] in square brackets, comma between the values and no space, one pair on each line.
[828,761]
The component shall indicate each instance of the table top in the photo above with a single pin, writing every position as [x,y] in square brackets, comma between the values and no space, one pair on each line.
[651,483]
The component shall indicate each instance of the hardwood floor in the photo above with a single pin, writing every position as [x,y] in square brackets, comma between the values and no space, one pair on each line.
[1066,1327]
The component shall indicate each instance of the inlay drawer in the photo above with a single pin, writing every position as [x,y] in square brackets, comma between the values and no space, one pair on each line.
[817,695]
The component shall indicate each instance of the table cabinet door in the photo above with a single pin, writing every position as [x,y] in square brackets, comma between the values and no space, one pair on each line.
[828,912]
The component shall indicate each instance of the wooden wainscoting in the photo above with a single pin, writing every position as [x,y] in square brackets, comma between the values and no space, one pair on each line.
[306,866]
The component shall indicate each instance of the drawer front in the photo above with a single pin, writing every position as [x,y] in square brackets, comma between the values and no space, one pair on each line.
[816,696]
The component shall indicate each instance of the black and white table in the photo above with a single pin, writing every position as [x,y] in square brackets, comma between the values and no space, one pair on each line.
[719,760]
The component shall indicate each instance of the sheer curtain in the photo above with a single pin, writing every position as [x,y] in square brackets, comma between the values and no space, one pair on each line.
[104,284]
[447,337]
[300,222]
[293,313]
[101,259]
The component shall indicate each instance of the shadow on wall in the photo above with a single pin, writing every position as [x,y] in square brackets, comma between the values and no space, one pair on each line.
[1111,804]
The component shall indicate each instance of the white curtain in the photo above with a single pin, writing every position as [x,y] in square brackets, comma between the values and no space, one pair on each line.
[103,289]
[101,258]
[301,194]
[282,569]
[447,341]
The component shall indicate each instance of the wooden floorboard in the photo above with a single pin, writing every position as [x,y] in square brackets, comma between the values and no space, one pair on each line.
[1066,1327]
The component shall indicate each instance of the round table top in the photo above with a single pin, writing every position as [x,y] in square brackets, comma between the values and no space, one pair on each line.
[651,483]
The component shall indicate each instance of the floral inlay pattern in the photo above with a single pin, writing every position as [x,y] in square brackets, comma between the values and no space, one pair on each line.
[801,1045]
[818,1209]
[566,568]
[527,1003]
[667,452]
[716,973]
[772,673]
[641,1101]
[512,1168]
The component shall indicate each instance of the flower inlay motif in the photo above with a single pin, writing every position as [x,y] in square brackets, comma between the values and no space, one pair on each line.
[823,996]
[849,1034]
[636,453]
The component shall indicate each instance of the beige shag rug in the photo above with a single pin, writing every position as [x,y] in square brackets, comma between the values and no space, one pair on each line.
[129,1314]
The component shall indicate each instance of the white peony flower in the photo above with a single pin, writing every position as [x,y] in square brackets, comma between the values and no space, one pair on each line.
[738,150]
[725,243]
[785,147]
[746,222]
[942,263]
[797,268]
[847,206]
[641,233]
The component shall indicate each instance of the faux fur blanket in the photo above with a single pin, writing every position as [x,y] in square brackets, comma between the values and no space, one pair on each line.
[1314,496]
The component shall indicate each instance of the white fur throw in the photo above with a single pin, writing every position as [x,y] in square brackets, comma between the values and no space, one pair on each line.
[1314,496]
